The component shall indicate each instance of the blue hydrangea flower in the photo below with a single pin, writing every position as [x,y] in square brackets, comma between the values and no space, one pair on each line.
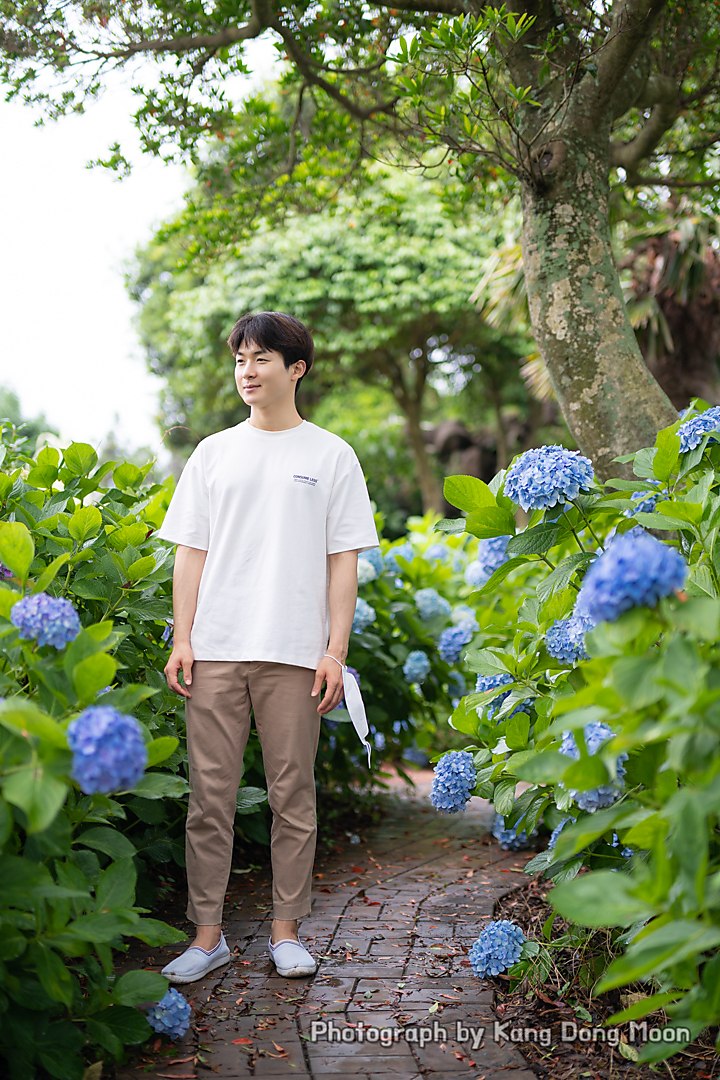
[491,552]
[510,839]
[405,551]
[374,557]
[635,570]
[437,553]
[430,603]
[457,687]
[464,614]
[49,619]
[167,634]
[648,499]
[417,667]
[365,572]
[626,852]
[109,752]
[171,1015]
[453,781]
[557,830]
[547,476]
[497,949]
[452,640]
[565,640]
[692,431]
[492,682]
[605,794]
[476,575]
[364,616]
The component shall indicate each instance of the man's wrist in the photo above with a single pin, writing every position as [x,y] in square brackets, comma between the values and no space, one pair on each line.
[338,651]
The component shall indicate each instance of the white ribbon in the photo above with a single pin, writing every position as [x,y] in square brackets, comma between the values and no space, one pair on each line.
[355,706]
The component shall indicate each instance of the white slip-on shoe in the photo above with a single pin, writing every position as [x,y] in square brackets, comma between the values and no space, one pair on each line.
[195,962]
[291,958]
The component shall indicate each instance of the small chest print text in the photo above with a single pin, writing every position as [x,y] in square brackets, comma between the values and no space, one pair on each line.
[311,480]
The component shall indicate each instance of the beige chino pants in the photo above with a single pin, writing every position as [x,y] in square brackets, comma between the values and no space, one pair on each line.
[218,724]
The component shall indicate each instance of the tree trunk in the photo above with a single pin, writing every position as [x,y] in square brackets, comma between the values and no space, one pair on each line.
[610,401]
[432,496]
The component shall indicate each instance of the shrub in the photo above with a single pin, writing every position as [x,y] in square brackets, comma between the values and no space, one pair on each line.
[619,740]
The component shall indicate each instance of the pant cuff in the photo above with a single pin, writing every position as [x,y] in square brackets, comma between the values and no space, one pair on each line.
[204,918]
[291,911]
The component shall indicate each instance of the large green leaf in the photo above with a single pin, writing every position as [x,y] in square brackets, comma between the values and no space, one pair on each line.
[8,600]
[665,460]
[136,987]
[160,749]
[504,796]
[158,785]
[536,541]
[670,944]
[50,573]
[127,1024]
[100,928]
[601,898]
[17,549]
[56,980]
[109,841]
[468,493]
[249,799]
[18,715]
[37,793]
[499,575]
[490,521]
[79,458]
[562,575]
[154,932]
[576,837]
[116,888]
[92,674]
[84,523]
[545,768]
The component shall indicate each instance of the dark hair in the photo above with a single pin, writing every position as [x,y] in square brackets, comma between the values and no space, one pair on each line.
[276,331]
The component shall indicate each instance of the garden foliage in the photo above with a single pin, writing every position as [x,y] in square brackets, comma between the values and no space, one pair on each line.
[599,686]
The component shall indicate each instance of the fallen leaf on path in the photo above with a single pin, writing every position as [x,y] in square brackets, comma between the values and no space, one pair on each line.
[242,1042]
[459,1056]
[181,1061]
[178,1076]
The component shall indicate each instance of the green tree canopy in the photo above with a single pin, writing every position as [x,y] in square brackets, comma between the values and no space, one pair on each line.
[384,284]
[551,95]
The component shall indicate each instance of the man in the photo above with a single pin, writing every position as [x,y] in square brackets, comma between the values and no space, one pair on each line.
[269,517]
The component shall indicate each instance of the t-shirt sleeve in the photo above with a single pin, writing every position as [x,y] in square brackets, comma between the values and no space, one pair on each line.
[350,522]
[187,520]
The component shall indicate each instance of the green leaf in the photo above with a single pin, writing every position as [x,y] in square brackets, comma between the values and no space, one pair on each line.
[127,476]
[665,460]
[79,459]
[141,568]
[249,799]
[159,785]
[500,574]
[101,1035]
[504,796]
[127,1024]
[576,837]
[116,887]
[154,932]
[18,715]
[23,881]
[588,772]
[38,795]
[545,768]
[517,730]
[49,573]
[100,928]
[92,674]
[643,1008]
[107,840]
[55,978]
[562,575]
[700,582]
[535,541]
[455,526]
[8,600]
[85,522]
[12,942]
[490,521]
[657,521]
[136,987]
[160,749]
[17,549]
[634,680]
[681,512]
[600,898]
[468,493]
[643,463]
[670,944]
[464,718]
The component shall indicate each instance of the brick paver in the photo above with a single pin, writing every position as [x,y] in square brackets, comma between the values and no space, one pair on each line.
[392,921]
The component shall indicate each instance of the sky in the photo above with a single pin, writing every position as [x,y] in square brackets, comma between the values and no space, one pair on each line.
[68,347]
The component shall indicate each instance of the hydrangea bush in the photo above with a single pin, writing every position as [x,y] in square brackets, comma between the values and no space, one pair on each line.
[603,623]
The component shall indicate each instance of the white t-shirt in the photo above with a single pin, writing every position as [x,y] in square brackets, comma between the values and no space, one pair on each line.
[268,507]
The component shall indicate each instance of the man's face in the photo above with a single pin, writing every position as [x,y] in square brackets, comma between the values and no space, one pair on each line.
[262,378]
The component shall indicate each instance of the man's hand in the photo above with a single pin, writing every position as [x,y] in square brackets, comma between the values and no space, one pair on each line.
[328,671]
[181,659]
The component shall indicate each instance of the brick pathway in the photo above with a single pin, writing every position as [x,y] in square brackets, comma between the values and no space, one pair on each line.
[392,920]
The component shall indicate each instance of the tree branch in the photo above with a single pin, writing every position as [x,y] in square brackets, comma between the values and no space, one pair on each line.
[665,93]
[229,35]
[434,7]
[666,181]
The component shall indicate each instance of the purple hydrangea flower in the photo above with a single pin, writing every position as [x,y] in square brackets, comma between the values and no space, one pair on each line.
[692,431]
[452,640]
[364,616]
[430,603]
[49,619]
[510,839]
[171,1016]
[109,752]
[5,572]
[417,666]
[565,640]
[405,551]
[547,476]
[605,794]
[557,830]
[453,781]
[497,949]
[635,570]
